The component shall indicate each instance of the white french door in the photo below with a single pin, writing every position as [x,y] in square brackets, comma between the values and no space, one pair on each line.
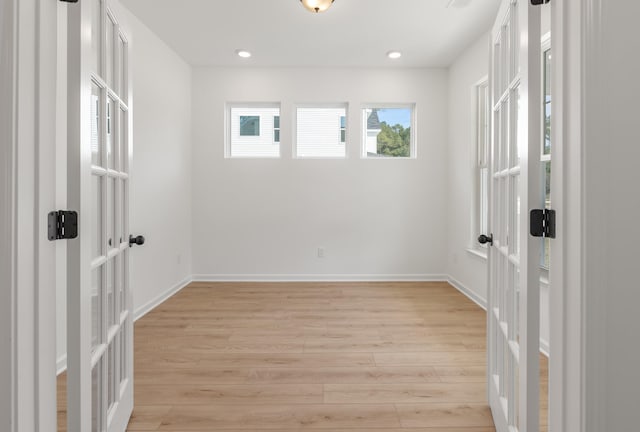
[514,298]
[100,337]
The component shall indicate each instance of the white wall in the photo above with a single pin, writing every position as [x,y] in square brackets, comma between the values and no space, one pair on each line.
[260,217]
[160,173]
[468,270]
[161,170]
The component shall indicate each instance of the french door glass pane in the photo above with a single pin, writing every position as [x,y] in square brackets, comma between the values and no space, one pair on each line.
[122,128]
[110,52]
[123,349]
[111,383]
[96,216]
[111,212]
[96,98]
[118,214]
[96,397]
[96,39]
[110,293]
[111,157]
[122,83]
[96,321]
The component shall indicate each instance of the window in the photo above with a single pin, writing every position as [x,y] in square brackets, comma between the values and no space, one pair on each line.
[321,132]
[545,157]
[253,130]
[276,129]
[389,132]
[249,125]
[481,171]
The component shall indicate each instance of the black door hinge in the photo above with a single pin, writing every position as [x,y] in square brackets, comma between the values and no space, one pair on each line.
[543,223]
[63,225]
[69,1]
[539,2]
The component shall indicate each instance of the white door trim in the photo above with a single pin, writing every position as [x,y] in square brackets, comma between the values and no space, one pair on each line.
[577,310]
[8,79]
[28,272]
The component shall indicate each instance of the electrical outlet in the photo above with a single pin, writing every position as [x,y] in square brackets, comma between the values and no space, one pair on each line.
[320,252]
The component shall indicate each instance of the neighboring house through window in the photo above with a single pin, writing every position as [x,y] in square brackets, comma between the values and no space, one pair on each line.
[253,130]
[321,131]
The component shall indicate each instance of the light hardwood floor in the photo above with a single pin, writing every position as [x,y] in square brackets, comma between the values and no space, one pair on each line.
[327,356]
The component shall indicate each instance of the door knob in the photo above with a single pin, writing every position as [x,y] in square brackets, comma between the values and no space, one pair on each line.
[136,240]
[483,239]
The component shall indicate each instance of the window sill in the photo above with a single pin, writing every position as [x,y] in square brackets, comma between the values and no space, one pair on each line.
[478,253]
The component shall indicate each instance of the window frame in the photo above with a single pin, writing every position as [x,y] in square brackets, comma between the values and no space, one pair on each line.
[413,150]
[544,157]
[228,119]
[321,105]
[480,162]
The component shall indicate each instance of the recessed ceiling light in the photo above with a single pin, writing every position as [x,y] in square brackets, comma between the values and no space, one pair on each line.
[243,53]
[394,55]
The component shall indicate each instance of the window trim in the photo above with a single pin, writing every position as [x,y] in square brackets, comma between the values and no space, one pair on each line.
[229,106]
[544,158]
[413,147]
[320,105]
[476,165]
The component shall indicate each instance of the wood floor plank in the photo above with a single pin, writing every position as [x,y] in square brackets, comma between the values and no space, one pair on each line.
[279,417]
[442,358]
[444,415]
[405,393]
[227,394]
[313,375]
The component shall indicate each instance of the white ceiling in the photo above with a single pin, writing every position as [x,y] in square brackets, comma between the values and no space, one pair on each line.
[355,33]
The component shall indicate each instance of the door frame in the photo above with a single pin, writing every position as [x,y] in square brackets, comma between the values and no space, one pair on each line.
[28,32]
[574,316]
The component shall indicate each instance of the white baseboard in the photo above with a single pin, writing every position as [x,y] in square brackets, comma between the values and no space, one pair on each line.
[482,302]
[153,303]
[61,364]
[544,347]
[319,278]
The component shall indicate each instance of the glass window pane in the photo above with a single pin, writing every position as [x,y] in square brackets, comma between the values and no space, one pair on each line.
[124,371]
[319,132]
[119,286]
[122,80]
[96,36]
[111,157]
[110,53]
[111,213]
[253,132]
[96,397]
[124,268]
[250,125]
[123,147]
[110,293]
[96,216]
[96,154]
[547,102]
[96,312]
[111,377]
[387,132]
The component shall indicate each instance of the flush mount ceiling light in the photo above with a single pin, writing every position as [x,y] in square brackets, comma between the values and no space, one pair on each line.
[243,53]
[317,5]
[394,55]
